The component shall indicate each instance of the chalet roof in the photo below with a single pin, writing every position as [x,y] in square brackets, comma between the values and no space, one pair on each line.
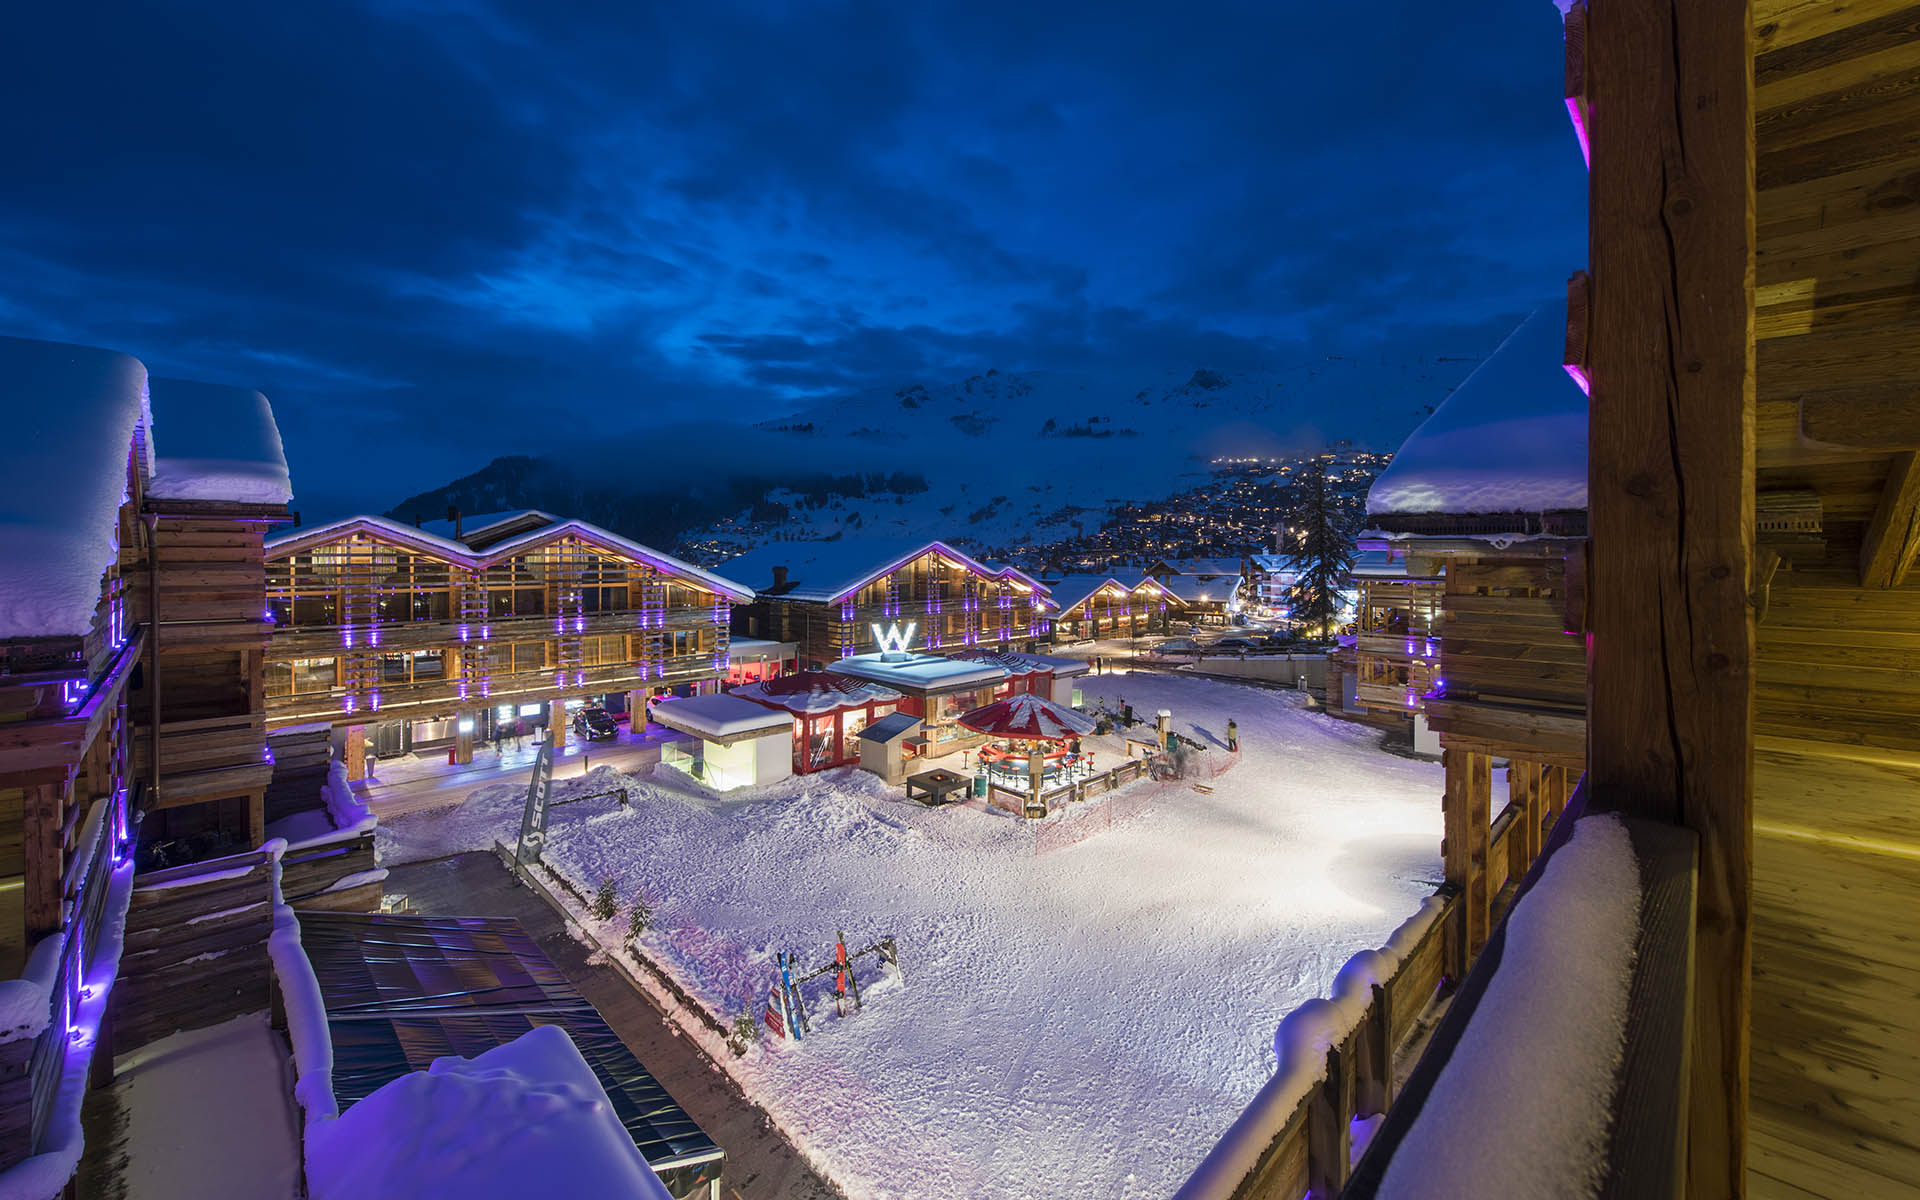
[1019,662]
[72,413]
[1071,591]
[456,552]
[721,717]
[213,442]
[469,523]
[923,673]
[1192,589]
[1207,567]
[821,572]
[1511,439]
[815,692]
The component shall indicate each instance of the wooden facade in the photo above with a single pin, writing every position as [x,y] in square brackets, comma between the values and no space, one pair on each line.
[67,795]
[199,592]
[949,600]
[1396,640]
[375,622]
[1091,608]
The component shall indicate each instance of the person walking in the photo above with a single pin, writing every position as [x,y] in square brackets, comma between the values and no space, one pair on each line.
[1233,737]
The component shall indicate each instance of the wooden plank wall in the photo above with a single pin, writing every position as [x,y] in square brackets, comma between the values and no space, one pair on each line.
[196,949]
[1504,634]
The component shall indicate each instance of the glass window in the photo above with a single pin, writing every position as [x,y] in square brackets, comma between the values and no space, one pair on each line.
[429,664]
[313,674]
[393,668]
[279,679]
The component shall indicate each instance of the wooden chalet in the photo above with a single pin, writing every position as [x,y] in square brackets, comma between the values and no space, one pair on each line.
[1207,590]
[69,649]
[1748,325]
[1091,607]
[219,486]
[838,599]
[388,630]
[1396,634]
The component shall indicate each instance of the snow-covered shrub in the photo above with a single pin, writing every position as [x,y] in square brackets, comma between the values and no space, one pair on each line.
[606,902]
[639,917]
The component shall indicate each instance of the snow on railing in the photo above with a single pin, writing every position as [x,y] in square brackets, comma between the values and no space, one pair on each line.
[1270,1137]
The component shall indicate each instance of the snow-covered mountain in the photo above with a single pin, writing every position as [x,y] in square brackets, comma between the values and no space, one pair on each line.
[991,461]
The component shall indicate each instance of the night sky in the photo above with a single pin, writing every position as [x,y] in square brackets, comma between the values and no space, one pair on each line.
[439,231]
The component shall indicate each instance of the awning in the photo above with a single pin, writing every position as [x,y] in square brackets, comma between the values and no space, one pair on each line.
[1030,716]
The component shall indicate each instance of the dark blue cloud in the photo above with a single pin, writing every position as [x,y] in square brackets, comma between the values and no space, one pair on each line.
[438,230]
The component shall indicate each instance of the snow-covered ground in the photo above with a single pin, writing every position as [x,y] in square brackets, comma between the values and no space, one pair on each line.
[1083,1022]
[230,1077]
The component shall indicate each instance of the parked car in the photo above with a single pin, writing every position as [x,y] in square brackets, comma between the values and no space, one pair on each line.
[595,724]
[1174,646]
[1235,643]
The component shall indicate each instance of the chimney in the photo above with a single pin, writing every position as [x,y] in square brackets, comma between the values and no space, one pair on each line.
[453,514]
[779,577]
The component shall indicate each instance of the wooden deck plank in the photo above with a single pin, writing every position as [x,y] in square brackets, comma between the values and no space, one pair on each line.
[1836,982]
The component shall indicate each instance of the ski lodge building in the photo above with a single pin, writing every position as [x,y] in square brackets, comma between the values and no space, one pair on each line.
[416,639]
[1106,606]
[839,599]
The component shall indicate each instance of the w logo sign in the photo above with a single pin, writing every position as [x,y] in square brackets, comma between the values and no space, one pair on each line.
[893,639]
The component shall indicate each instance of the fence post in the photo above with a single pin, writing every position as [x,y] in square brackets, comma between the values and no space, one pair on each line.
[1373,1084]
[1329,1108]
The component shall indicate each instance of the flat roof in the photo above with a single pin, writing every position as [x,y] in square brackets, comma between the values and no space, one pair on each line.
[720,718]
[759,649]
[920,672]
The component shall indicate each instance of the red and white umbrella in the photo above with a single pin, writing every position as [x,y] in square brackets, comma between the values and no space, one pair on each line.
[1029,716]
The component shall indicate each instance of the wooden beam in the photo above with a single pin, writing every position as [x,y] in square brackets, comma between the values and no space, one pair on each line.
[42,814]
[1671,471]
[1879,419]
[1464,812]
[1893,536]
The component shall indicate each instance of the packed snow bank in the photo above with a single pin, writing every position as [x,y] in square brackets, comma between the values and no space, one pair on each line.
[1544,1043]
[1512,438]
[1079,1023]
[45,1175]
[26,1003]
[1300,1049]
[524,1119]
[229,1077]
[306,1018]
[216,443]
[71,413]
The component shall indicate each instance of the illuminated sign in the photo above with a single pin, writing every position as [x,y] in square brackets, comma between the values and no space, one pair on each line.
[893,639]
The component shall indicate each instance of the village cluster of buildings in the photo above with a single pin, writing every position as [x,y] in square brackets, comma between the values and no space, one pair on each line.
[1244,510]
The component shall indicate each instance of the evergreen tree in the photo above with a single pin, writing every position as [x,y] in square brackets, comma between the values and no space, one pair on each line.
[606,901]
[1325,556]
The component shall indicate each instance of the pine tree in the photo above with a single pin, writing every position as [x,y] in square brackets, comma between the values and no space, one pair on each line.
[606,901]
[1325,555]
[639,917]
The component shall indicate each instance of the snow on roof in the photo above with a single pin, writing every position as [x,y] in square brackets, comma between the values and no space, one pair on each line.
[815,692]
[920,672]
[213,442]
[826,571]
[1205,566]
[1376,564]
[1512,438]
[439,1132]
[420,539]
[1019,662]
[72,412]
[1071,591]
[1191,589]
[470,525]
[890,727]
[722,717]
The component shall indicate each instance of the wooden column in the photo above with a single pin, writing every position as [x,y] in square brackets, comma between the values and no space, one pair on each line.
[463,730]
[41,811]
[354,753]
[1464,809]
[1553,798]
[1671,468]
[557,724]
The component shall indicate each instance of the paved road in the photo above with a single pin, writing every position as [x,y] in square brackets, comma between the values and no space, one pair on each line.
[761,1164]
[412,782]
